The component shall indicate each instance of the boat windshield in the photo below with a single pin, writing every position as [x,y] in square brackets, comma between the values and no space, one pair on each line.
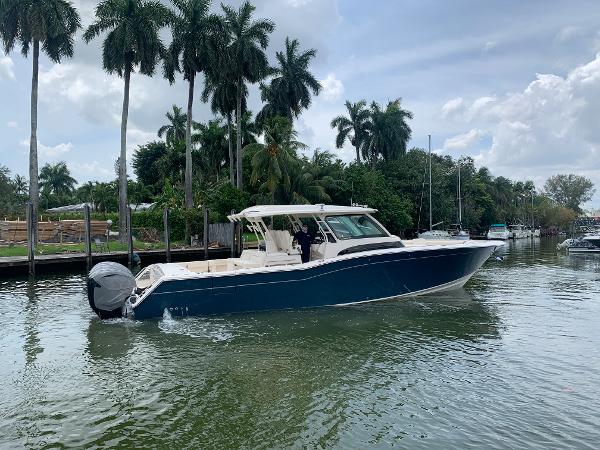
[498,227]
[354,227]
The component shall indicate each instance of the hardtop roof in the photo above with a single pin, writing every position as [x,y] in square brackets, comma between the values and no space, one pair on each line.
[298,210]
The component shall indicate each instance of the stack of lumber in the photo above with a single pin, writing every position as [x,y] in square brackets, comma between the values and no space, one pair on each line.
[74,230]
[16,231]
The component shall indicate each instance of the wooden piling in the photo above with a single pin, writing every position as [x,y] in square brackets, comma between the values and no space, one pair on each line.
[233,227]
[129,238]
[205,233]
[167,235]
[88,234]
[30,239]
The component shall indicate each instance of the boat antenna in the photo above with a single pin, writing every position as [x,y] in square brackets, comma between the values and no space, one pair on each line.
[430,214]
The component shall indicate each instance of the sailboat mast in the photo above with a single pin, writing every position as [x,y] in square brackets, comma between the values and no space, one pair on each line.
[459,197]
[430,211]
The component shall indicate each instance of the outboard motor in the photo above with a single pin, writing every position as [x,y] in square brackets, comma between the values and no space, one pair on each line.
[109,287]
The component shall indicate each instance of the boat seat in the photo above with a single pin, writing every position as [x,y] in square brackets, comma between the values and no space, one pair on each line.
[283,240]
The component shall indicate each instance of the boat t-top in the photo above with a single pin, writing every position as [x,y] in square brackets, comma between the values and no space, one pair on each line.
[353,259]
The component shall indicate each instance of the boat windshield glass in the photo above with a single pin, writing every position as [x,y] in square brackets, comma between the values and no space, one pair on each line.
[498,228]
[354,227]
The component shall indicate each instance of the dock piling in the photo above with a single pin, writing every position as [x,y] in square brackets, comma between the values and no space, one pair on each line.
[233,226]
[205,232]
[30,239]
[129,238]
[167,235]
[88,234]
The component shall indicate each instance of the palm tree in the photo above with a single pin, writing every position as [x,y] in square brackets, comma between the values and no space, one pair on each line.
[53,24]
[213,146]
[57,179]
[290,91]
[352,127]
[247,41]
[387,132]
[221,88]
[273,160]
[190,52]
[20,185]
[133,40]
[175,130]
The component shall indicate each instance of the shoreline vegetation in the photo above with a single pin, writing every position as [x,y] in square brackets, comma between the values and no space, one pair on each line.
[240,158]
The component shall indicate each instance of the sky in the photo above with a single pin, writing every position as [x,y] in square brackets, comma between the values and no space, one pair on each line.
[513,84]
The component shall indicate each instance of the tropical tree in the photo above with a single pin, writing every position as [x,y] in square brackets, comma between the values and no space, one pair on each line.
[213,146]
[145,163]
[190,52]
[272,161]
[387,132]
[220,87]
[51,23]
[132,41]
[246,44]
[290,90]
[57,179]
[20,185]
[176,128]
[569,190]
[354,127]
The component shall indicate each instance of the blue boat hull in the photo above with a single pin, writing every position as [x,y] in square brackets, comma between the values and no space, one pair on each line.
[357,279]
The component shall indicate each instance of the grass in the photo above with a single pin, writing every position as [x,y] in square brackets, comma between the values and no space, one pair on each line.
[53,249]
[250,237]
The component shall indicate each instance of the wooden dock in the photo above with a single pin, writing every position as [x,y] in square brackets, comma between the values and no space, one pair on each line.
[19,265]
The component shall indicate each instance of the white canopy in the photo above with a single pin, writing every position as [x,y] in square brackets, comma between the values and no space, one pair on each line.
[298,210]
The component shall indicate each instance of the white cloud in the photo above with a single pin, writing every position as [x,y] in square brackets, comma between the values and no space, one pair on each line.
[6,67]
[97,96]
[50,152]
[332,88]
[549,127]
[12,124]
[452,107]
[464,141]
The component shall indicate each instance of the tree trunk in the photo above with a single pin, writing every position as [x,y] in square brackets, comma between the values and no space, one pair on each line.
[231,157]
[358,154]
[123,160]
[34,191]
[189,199]
[238,112]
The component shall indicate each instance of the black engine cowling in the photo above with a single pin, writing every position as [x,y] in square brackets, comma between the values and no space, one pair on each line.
[109,286]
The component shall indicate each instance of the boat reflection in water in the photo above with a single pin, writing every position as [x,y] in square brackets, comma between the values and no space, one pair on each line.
[353,259]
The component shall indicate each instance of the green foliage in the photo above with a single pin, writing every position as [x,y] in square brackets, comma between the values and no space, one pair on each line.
[370,187]
[222,198]
[146,164]
[289,92]
[133,38]
[56,179]
[50,22]
[352,128]
[174,130]
[570,190]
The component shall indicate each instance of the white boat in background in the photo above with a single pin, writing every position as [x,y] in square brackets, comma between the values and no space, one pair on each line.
[498,231]
[592,238]
[579,245]
[518,231]
[435,235]
[536,233]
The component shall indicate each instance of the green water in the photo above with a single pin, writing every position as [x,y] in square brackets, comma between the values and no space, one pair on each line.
[511,361]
